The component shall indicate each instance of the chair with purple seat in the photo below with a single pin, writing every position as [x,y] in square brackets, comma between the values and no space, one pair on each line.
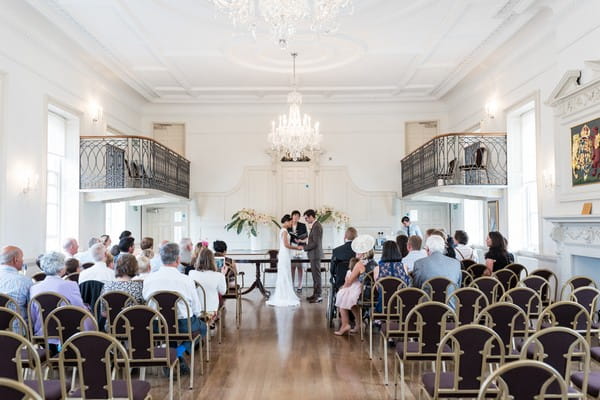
[18,354]
[470,349]
[167,304]
[574,283]
[95,355]
[491,286]
[524,380]
[567,314]
[588,297]
[439,288]
[146,347]
[527,299]
[398,307]
[561,348]
[110,304]
[38,310]
[424,327]
[518,269]
[552,291]
[466,278]
[12,389]
[465,264]
[476,270]
[509,322]
[507,277]
[8,302]
[541,286]
[467,303]
[381,291]
[11,320]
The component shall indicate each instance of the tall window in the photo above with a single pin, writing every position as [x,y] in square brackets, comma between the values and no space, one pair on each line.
[57,131]
[116,221]
[474,221]
[522,190]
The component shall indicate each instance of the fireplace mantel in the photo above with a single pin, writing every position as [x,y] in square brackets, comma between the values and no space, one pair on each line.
[574,219]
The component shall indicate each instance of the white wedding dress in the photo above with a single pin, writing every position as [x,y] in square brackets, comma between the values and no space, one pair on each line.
[284,295]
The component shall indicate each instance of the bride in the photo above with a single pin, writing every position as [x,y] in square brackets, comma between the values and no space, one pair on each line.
[284,295]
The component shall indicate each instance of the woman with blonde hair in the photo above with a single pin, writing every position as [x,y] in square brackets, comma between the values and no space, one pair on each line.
[213,282]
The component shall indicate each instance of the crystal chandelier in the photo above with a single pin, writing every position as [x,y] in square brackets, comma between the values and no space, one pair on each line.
[294,136]
[283,16]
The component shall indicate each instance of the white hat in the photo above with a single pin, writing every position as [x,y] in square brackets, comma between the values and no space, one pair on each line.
[363,243]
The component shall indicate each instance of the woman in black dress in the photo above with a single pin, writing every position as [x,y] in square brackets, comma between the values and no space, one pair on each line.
[497,256]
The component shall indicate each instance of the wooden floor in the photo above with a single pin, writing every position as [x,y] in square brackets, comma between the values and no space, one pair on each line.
[283,354]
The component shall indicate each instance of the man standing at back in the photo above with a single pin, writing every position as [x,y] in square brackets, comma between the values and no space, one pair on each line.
[314,250]
[436,264]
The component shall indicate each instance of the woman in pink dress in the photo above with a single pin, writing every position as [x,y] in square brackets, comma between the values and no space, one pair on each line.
[347,297]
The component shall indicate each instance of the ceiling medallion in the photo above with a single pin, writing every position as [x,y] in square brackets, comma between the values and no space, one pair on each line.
[284,16]
[294,137]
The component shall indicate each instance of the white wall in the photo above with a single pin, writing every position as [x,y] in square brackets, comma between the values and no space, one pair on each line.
[38,66]
[531,64]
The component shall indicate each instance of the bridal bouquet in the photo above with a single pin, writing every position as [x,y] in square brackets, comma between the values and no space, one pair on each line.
[327,214]
[248,218]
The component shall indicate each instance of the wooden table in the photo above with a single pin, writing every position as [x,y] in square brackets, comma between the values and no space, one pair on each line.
[257,284]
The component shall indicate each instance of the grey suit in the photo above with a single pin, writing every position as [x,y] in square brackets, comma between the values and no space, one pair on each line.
[314,250]
[436,265]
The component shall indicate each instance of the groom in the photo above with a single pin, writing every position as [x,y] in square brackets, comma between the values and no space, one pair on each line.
[314,250]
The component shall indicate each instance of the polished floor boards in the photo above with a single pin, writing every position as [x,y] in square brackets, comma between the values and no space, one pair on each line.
[283,354]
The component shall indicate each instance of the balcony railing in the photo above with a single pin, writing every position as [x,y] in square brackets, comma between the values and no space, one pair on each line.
[131,162]
[456,159]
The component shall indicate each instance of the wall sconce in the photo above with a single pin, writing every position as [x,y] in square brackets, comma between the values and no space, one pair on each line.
[95,113]
[491,108]
[29,181]
[548,179]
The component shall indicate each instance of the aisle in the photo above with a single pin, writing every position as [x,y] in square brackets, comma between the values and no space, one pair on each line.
[283,354]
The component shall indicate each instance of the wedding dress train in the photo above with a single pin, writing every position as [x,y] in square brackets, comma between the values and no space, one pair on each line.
[284,295]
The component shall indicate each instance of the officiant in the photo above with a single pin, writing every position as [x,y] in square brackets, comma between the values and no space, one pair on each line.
[297,232]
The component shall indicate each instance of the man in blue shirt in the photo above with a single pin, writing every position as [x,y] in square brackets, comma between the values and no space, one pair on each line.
[12,283]
[409,229]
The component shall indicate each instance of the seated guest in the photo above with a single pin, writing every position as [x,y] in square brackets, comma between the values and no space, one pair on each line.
[70,247]
[114,250]
[126,246]
[169,278]
[450,252]
[436,264]
[86,256]
[125,270]
[143,268]
[497,257]
[124,234]
[12,283]
[464,252]
[186,247]
[402,243]
[230,269]
[105,240]
[147,243]
[155,262]
[414,252]
[340,257]
[212,281]
[391,263]
[72,265]
[100,270]
[53,265]
[347,297]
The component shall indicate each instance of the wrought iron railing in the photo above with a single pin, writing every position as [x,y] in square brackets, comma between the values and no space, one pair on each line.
[128,162]
[456,159]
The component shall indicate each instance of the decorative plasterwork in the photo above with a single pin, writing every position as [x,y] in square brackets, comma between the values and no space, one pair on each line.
[570,96]
[575,230]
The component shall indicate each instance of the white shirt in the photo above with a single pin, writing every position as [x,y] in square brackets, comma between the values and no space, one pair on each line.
[213,284]
[84,257]
[411,257]
[168,278]
[97,272]
[155,263]
[467,253]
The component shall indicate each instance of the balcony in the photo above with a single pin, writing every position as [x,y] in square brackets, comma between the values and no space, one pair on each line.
[455,164]
[131,168]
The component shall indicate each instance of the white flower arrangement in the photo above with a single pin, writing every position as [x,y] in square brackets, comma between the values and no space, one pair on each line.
[327,214]
[248,219]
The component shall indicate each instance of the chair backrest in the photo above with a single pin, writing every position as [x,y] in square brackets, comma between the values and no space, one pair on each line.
[470,347]
[476,270]
[508,321]
[384,288]
[72,277]
[481,157]
[540,285]
[518,269]
[8,302]
[466,278]
[491,286]
[426,323]
[167,304]
[400,304]
[17,354]
[560,348]
[64,322]
[575,282]
[11,389]
[468,303]
[466,263]
[41,305]
[552,279]
[142,330]
[567,314]
[94,354]
[111,303]
[507,278]
[588,297]
[38,276]
[12,321]
[526,298]
[90,292]
[524,379]
[273,258]
[86,266]
[439,288]
[367,285]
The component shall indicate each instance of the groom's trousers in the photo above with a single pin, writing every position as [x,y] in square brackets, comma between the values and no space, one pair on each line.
[315,269]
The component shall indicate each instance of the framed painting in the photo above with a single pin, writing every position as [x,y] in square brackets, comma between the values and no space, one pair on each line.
[585,153]
[493,215]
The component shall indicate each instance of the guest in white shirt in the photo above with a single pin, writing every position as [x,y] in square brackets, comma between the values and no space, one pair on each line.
[410,229]
[170,279]
[212,281]
[85,257]
[414,252]
[70,247]
[143,268]
[155,262]
[464,252]
[187,246]
[100,270]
